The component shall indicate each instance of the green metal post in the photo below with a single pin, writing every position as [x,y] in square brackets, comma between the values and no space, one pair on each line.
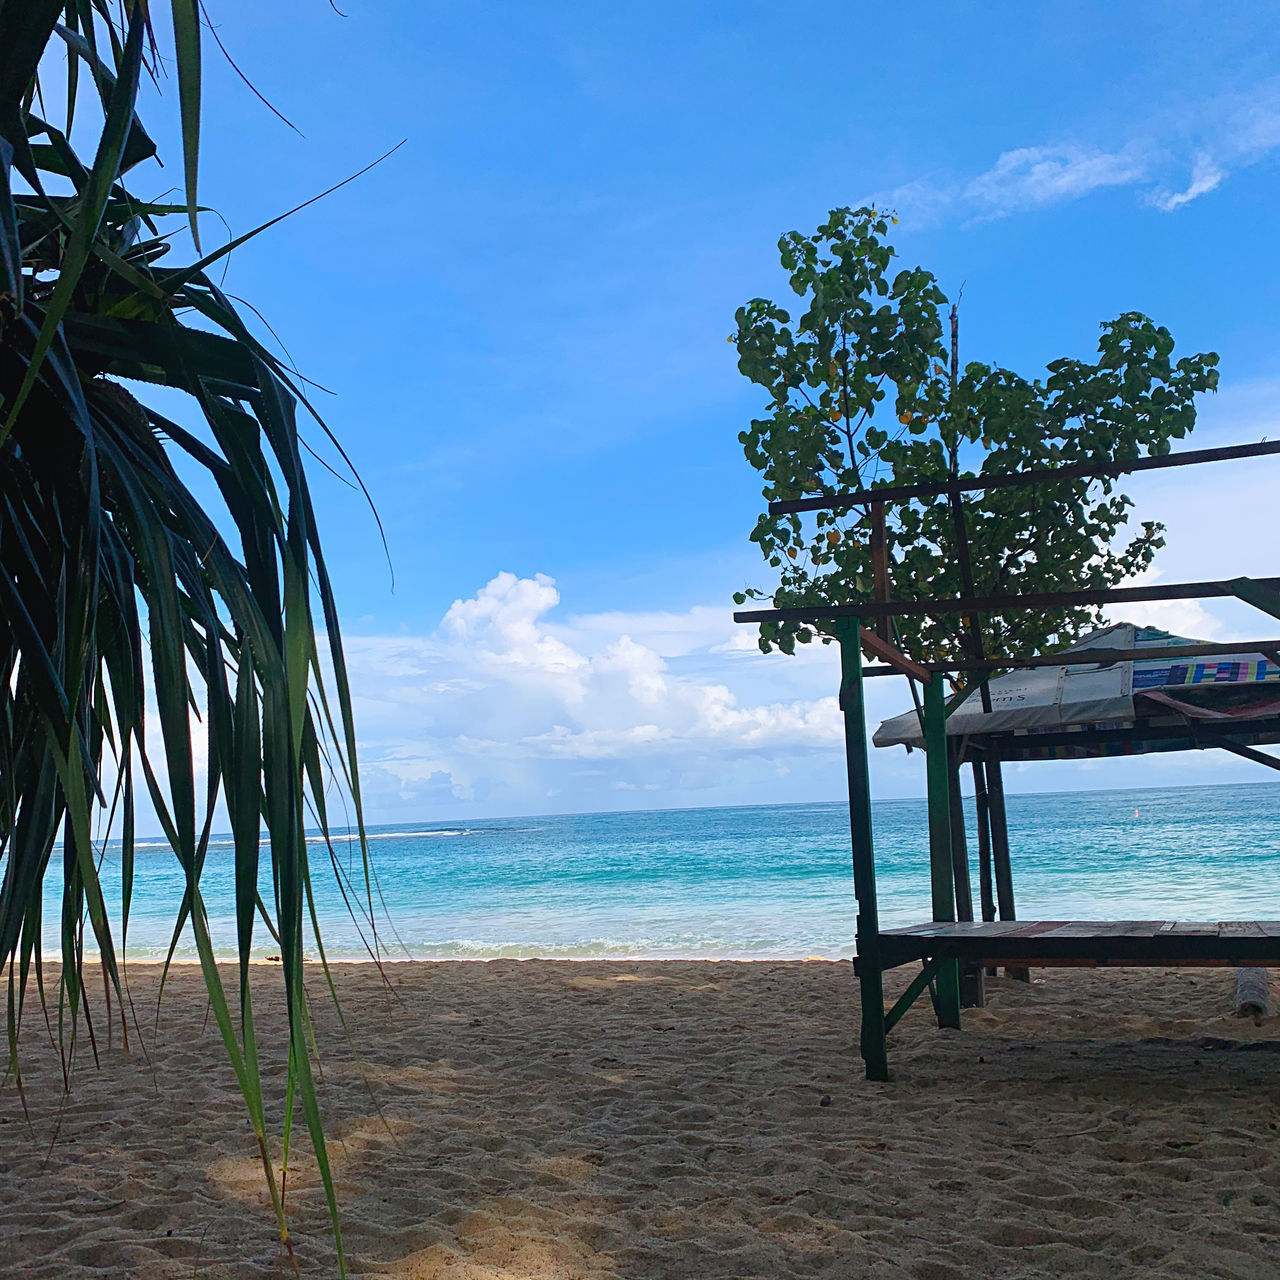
[870,976]
[935,743]
[940,865]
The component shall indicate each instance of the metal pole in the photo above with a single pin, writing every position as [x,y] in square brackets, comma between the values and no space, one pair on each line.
[870,976]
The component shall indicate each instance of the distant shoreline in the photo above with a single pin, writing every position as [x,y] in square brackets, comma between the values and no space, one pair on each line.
[441,826]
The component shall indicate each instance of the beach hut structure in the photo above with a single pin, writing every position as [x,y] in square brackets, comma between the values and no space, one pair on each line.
[1082,703]
[1119,690]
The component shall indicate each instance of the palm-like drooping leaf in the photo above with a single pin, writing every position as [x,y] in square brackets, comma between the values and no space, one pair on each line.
[123,601]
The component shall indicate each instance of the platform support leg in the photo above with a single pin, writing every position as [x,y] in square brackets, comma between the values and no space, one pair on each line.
[870,976]
[986,886]
[941,867]
[1000,841]
[1000,853]
[972,995]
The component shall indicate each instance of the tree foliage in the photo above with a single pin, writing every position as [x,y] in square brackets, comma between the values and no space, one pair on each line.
[860,394]
[136,617]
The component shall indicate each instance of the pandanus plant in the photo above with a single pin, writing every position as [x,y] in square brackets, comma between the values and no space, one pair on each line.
[133,614]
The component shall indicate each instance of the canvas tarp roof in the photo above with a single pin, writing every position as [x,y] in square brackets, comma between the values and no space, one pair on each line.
[1039,700]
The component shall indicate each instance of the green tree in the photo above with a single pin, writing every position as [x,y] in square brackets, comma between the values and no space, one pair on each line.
[115,576]
[861,393]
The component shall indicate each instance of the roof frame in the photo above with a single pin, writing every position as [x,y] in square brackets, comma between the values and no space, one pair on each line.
[1090,657]
[1031,476]
[1262,593]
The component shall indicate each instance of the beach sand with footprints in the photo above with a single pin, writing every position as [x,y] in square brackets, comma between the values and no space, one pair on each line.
[556,1120]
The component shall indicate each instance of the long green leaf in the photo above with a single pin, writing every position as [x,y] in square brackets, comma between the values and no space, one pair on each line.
[186,40]
[106,166]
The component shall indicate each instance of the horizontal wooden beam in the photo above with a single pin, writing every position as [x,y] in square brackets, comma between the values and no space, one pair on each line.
[899,663]
[999,604]
[1117,942]
[1088,657]
[1013,479]
[1015,746]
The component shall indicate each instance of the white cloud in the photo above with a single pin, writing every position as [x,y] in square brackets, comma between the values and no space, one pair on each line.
[1175,158]
[1022,179]
[1206,176]
[1253,121]
[514,705]
[1030,177]
[503,706]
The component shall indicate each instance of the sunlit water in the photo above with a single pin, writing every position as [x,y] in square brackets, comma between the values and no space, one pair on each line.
[767,881]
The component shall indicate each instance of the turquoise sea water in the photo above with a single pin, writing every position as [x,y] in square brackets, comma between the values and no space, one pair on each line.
[766,881]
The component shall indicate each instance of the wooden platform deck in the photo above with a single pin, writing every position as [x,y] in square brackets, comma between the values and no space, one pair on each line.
[1088,943]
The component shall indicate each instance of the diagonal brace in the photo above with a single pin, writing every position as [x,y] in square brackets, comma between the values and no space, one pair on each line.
[1261,596]
[912,993]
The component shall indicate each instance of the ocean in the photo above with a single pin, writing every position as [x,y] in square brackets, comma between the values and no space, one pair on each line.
[766,881]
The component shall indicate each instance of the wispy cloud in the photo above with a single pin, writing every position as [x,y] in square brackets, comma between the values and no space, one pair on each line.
[1031,177]
[1170,162]
[1206,176]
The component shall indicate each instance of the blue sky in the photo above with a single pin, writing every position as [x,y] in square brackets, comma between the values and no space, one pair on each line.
[522,314]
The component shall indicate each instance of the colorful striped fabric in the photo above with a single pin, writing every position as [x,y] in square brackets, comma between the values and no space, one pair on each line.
[1159,676]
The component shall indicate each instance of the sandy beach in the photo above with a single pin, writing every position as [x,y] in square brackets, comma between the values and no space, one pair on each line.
[549,1121]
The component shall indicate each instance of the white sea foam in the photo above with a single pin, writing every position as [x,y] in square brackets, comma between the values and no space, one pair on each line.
[353,838]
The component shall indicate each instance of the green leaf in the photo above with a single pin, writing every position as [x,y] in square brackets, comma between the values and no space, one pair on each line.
[106,166]
[186,41]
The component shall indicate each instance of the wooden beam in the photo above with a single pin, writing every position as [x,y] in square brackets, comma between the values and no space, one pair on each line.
[878,648]
[999,604]
[1099,657]
[982,806]
[1012,479]
[1259,592]
[959,838]
[941,870]
[928,972]
[1001,860]
[1249,753]
[1010,746]
[1116,942]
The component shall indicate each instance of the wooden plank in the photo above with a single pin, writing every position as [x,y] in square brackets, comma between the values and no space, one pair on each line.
[1138,928]
[1085,943]
[1032,928]
[976,928]
[1082,929]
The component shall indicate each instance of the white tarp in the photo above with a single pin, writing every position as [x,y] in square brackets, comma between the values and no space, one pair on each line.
[1049,697]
